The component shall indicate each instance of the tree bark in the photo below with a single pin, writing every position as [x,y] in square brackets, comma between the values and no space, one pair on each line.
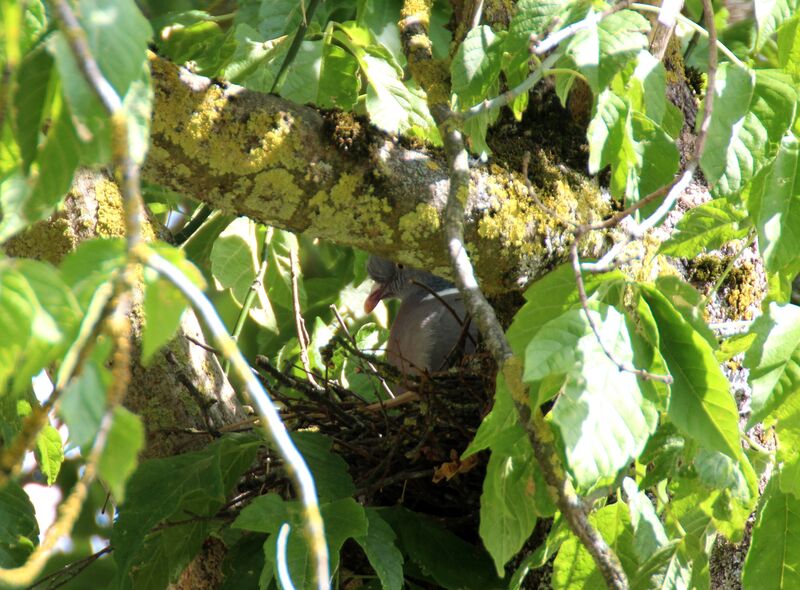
[333,176]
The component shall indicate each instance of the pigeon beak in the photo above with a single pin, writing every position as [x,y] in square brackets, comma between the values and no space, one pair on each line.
[374,298]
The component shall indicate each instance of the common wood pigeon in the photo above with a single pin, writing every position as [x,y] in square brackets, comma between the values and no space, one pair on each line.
[432,328]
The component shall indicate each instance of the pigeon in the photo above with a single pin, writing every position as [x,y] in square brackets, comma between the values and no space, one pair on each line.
[432,328]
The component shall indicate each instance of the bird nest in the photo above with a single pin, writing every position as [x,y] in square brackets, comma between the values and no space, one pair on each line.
[402,450]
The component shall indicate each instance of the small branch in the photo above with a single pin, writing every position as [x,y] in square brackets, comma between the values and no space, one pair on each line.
[538,430]
[728,268]
[372,368]
[296,465]
[555,39]
[258,283]
[299,322]
[664,26]
[71,571]
[576,267]
[696,28]
[187,231]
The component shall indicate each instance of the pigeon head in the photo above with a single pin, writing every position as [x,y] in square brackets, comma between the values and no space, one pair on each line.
[396,280]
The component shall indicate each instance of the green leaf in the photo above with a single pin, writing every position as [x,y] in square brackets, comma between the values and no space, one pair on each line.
[344,519]
[194,483]
[500,429]
[84,400]
[163,303]
[733,91]
[549,297]
[448,560]
[117,34]
[392,105]
[773,360]
[535,16]
[329,469]
[508,503]
[770,114]
[91,264]
[706,227]
[603,49]
[774,204]
[265,514]
[19,533]
[38,317]
[163,308]
[574,568]
[602,417]
[476,65]
[118,461]
[641,154]
[689,302]
[773,560]
[58,157]
[648,531]
[770,15]
[30,96]
[234,257]
[789,47]
[49,453]
[787,429]
[379,546]
[91,121]
[700,404]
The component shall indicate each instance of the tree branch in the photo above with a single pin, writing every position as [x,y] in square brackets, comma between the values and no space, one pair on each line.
[333,176]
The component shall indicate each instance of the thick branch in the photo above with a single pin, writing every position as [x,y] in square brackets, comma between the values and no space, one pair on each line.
[333,176]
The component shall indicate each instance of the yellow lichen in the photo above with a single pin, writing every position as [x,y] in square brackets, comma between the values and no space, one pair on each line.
[419,224]
[350,209]
[225,139]
[284,194]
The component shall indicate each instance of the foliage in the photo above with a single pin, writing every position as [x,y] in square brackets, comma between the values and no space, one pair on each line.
[661,466]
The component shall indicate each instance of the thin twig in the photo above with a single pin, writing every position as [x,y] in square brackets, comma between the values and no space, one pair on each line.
[299,322]
[728,268]
[369,364]
[70,571]
[576,267]
[249,299]
[555,39]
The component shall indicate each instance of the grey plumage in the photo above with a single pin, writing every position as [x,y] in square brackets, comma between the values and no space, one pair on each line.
[431,326]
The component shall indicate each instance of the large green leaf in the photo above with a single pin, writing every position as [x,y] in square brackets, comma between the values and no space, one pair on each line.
[442,557]
[379,546]
[25,203]
[49,453]
[33,79]
[732,93]
[700,404]
[773,360]
[773,560]
[83,401]
[117,34]
[329,469]
[476,65]
[512,499]
[706,227]
[194,483]
[19,533]
[770,15]
[602,417]
[774,204]
[601,50]
[38,316]
[118,461]
[787,429]
[642,156]
[549,297]
[771,112]
[574,567]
